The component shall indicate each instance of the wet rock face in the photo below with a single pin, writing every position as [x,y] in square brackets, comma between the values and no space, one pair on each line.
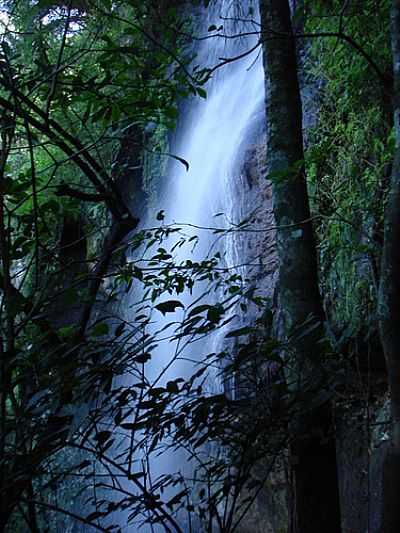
[255,251]
[362,430]
[256,245]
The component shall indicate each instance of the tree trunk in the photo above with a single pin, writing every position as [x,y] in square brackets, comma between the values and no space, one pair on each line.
[389,301]
[313,450]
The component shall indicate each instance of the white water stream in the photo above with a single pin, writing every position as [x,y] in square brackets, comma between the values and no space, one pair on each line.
[209,138]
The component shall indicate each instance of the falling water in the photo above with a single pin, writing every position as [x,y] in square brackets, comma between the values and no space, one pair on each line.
[210,137]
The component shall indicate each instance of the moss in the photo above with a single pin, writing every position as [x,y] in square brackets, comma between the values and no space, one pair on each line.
[347,164]
[156,164]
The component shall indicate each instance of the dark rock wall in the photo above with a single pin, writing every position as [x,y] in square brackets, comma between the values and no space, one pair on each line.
[362,441]
[255,250]
[255,245]
[362,416]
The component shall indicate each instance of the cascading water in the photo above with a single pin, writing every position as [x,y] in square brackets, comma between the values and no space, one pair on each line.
[210,138]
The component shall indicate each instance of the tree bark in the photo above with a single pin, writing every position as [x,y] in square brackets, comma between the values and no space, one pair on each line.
[389,301]
[313,449]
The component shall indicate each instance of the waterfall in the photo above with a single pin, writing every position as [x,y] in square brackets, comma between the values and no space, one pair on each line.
[211,137]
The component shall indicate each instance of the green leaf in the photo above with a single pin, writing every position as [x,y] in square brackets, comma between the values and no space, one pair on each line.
[66,331]
[234,289]
[143,358]
[100,329]
[201,92]
[215,312]
[172,387]
[70,296]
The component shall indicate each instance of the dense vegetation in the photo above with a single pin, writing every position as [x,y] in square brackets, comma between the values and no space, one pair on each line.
[90,93]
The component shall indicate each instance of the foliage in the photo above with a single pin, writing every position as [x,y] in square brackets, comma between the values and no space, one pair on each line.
[81,423]
[74,79]
[78,409]
[348,158]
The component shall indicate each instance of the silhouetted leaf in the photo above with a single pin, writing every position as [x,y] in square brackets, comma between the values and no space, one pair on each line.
[241,331]
[119,329]
[199,309]
[169,306]
[102,437]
